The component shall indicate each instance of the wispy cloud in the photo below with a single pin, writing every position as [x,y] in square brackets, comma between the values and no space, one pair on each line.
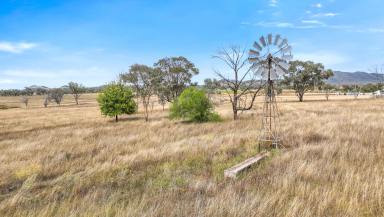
[318,5]
[376,30]
[312,22]
[16,47]
[44,73]
[273,3]
[28,73]
[328,58]
[8,81]
[325,14]
[304,24]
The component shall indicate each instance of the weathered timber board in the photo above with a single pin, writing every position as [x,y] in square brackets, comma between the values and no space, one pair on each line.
[233,171]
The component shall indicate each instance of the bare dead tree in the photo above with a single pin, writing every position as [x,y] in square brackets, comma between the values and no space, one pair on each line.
[24,100]
[243,82]
[56,94]
[46,101]
[379,72]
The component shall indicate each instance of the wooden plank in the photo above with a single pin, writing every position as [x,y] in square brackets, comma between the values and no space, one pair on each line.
[233,171]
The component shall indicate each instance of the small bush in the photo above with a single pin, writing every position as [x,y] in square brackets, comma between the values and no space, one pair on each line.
[193,105]
[116,99]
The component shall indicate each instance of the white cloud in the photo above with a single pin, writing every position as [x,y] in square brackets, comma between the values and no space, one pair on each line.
[19,47]
[52,73]
[312,22]
[376,30]
[326,14]
[7,81]
[273,3]
[275,24]
[318,5]
[305,24]
[28,73]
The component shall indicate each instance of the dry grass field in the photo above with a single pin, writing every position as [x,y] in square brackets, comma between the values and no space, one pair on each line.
[71,161]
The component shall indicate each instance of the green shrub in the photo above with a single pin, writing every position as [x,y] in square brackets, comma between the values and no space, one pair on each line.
[193,105]
[116,99]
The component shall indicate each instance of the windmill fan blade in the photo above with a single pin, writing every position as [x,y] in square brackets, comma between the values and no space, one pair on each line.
[283,65]
[260,70]
[269,38]
[287,57]
[279,71]
[257,46]
[274,75]
[253,59]
[262,41]
[284,42]
[254,53]
[277,39]
[286,49]
[264,75]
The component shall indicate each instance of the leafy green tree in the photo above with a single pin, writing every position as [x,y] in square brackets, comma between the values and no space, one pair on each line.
[115,100]
[193,105]
[144,80]
[176,74]
[370,88]
[76,90]
[304,76]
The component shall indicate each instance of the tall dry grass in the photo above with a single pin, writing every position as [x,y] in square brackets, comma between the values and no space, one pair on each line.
[71,161]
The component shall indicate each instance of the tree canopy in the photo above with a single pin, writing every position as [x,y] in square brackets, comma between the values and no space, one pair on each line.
[116,99]
[176,74]
[304,76]
[76,90]
[144,80]
[193,105]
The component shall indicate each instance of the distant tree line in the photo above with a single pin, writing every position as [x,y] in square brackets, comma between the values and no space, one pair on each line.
[42,90]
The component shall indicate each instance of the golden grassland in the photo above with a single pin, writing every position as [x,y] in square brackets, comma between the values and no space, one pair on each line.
[71,161]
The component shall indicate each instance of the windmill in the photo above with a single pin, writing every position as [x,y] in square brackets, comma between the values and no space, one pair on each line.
[270,60]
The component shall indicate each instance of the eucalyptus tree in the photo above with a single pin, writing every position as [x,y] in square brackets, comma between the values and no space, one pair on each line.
[303,76]
[56,94]
[76,90]
[145,81]
[176,74]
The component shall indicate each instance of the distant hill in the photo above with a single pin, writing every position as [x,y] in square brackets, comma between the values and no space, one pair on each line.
[359,78]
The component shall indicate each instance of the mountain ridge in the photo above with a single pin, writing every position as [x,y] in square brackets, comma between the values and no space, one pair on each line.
[358,78]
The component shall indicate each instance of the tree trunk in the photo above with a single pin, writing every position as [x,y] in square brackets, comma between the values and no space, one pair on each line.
[146,113]
[116,119]
[234,107]
[146,104]
[77,100]
[235,117]
[301,96]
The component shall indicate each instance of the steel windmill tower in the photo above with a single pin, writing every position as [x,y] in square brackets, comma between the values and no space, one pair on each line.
[270,60]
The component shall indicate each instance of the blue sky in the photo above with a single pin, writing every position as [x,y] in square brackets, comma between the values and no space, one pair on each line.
[52,42]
